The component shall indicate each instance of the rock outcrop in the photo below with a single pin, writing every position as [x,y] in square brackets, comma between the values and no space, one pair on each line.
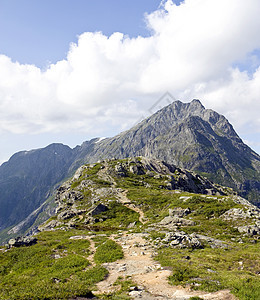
[22,241]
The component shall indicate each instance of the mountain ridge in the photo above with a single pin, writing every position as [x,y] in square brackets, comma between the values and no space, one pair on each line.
[184,134]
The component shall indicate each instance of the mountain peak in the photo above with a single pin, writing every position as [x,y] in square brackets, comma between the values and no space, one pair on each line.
[196,102]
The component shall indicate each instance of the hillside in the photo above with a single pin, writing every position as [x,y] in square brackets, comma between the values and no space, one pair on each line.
[28,178]
[184,134]
[139,228]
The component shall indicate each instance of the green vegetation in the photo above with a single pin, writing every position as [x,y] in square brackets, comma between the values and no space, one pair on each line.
[118,216]
[55,268]
[214,269]
[108,251]
[58,267]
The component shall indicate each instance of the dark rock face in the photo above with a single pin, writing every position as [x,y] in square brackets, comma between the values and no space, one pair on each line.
[99,209]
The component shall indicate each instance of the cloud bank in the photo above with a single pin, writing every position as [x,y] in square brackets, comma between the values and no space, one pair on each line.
[195,50]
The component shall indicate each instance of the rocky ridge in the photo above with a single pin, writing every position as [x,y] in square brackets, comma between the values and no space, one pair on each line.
[190,137]
[71,193]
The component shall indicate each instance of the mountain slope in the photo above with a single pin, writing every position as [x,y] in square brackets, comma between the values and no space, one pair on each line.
[27,178]
[158,231]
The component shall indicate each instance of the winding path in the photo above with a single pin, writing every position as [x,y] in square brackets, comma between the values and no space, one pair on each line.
[149,276]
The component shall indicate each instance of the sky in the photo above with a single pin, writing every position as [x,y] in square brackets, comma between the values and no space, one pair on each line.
[74,70]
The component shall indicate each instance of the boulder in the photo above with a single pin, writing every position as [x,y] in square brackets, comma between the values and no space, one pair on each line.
[49,225]
[175,221]
[136,169]
[179,212]
[66,215]
[239,213]
[99,209]
[180,239]
[250,229]
[22,241]
[120,170]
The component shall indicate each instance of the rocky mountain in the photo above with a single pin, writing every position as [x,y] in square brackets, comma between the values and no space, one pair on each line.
[27,180]
[138,228]
[184,134]
[191,137]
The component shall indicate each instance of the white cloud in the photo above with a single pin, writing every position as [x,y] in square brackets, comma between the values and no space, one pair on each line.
[111,81]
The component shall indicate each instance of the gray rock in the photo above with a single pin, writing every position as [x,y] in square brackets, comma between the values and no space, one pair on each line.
[180,239]
[49,225]
[214,243]
[249,229]
[120,170]
[179,212]
[250,212]
[131,225]
[98,209]
[22,241]
[66,215]
[175,221]
[137,169]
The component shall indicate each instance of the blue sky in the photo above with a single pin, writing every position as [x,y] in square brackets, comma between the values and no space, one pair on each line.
[39,32]
[62,81]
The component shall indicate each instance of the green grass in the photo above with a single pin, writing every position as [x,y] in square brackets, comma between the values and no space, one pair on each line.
[55,268]
[108,251]
[214,269]
[118,216]
[209,206]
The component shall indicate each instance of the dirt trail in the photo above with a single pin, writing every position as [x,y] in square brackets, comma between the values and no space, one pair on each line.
[150,278]
[122,197]
[148,275]
[92,250]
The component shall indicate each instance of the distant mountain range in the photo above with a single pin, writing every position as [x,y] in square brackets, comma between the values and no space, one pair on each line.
[184,134]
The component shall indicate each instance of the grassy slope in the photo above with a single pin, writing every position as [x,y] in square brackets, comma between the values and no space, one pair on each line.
[55,268]
[34,273]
